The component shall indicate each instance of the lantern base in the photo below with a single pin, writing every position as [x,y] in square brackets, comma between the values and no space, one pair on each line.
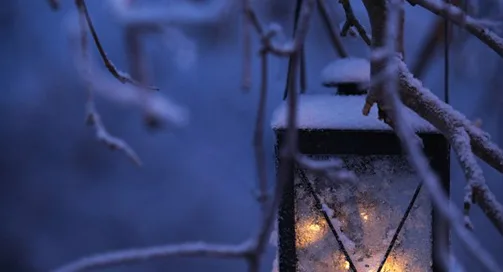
[350,89]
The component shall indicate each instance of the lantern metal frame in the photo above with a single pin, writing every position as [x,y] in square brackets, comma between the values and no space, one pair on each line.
[357,142]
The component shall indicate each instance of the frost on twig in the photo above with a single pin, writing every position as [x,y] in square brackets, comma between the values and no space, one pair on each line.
[102,84]
[383,16]
[352,21]
[477,190]
[180,12]
[182,49]
[156,104]
[252,249]
[124,257]
[333,34]
[79,37]
[476,27]
[444,117]
[121,76]
[113,143]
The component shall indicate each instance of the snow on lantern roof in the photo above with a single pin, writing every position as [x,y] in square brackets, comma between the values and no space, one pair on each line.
[317,111]
[346,70]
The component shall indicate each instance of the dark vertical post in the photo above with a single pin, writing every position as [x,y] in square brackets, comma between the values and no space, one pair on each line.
[439,153]
[286,219]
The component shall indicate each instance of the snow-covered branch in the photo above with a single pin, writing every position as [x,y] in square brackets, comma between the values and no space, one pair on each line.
[477,189]
[183,12]
[383,17]
[252,249]
[470,24]
[124,257]
[415,96]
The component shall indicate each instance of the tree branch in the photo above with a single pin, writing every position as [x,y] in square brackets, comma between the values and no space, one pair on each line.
[352,21]
[470,24]
[252,249]
[383,16]
[477,190]
[329,25]
[121,76]
[124,257]
[93,118]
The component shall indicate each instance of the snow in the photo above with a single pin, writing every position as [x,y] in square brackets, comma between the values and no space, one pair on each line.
[347,70]
[365,216]
[317,111]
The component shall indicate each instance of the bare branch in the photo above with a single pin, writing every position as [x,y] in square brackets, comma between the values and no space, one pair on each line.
[93,118]
[329,25]
[352,21]
[441,116]
[121,76]
[183,12]
[258,137]
[432,42]
[251,250]
[54,4]
[112,142]
[470,24]
[123,257]
[477,190]
[390,97]
[247,48]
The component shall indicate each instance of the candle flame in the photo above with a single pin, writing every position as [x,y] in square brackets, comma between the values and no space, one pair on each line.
[309,233]
[364,216]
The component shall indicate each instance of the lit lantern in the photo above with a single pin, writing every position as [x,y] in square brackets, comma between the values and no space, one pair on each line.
[381,221]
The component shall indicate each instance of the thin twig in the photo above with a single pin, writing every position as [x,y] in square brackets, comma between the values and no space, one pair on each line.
[124,257]
[54,4]
[414,151]
[332,33]
[251,250]
[121,76]
[352,21]
[470,24]
[247,47]
[477,190]
[303,75]
[93,118]
[258,138]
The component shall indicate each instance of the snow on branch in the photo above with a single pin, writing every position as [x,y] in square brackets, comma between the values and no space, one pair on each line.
[96,82]
[119,75]
[477,189]
[124,257]
[444,117]
[420,99]
[352,21]
[383,16]
[252,249]
[183,12]
[476,27]
[157,104]
[79,40]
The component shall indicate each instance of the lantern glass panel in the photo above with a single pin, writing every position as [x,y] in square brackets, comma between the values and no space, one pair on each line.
[365,215]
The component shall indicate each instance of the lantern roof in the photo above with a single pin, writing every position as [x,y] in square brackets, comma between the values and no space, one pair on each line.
[346,70]
[317,111]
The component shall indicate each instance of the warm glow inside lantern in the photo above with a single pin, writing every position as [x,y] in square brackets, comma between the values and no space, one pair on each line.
[382,221]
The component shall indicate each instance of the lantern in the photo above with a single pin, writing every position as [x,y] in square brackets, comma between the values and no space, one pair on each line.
[381,221]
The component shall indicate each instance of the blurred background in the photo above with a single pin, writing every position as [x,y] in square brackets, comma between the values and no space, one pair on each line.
[63,195]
